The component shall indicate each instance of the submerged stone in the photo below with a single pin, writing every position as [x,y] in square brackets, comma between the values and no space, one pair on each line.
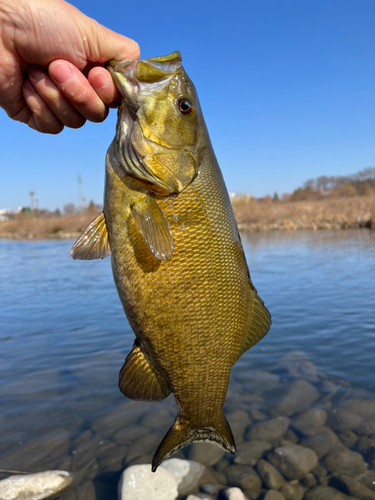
[139,483]
[270,475]
[348,462]
[232,494]
[325,493]
[274,495]
[205,453]
[270,431]
[299,398]
[187,473]
[244,477]
[309,421]
[249,452]
[352,486]
[323,442]
[293,461]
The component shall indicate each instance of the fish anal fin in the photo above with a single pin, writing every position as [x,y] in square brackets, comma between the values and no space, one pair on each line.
[258,321]
[182,434]
[93,242]
[139,380]
[153,227]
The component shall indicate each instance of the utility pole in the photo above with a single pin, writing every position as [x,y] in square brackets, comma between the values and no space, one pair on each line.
[81,198]
[32,201]
[36,206]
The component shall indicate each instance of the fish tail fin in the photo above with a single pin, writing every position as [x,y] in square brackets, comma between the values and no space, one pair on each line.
[182,434]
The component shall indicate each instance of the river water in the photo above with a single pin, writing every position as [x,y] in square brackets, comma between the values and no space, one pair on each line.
[64,337]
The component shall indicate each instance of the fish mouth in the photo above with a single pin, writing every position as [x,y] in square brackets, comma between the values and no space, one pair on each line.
[150,70]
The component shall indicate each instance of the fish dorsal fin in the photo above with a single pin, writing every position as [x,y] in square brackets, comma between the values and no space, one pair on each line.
[258,321]
[138,379]
[153,227]
[93,242]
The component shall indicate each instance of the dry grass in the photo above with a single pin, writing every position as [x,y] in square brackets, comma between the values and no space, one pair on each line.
[333,213]
[28,227]
[251,215]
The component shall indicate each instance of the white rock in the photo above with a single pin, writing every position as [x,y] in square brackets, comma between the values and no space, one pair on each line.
[139,483]
[233,494]
[186,473]
[34,486]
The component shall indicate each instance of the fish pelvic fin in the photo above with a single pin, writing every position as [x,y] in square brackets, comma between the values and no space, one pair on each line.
[182,434]
[93,242]
[139,380]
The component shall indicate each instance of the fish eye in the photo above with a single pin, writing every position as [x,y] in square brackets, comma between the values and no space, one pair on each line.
[185,106]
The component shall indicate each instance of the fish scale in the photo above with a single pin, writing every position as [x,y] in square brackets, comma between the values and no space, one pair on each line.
[177,257]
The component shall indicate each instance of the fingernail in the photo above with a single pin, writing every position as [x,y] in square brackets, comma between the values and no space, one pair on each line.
[62,73]
[27,86]
[36,74]
[99,81]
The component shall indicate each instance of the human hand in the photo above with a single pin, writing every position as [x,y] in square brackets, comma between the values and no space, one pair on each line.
[51,64]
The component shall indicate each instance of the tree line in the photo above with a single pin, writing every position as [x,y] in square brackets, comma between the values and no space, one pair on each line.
[361,183]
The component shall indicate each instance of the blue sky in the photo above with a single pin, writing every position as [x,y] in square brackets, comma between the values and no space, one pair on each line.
[287,89]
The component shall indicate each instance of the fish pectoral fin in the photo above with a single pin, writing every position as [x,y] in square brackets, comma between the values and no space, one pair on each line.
[182,434]
[93,242]
[153,227]
[258,321]
[139,380]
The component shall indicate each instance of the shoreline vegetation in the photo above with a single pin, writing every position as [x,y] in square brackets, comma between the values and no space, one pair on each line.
[252,215]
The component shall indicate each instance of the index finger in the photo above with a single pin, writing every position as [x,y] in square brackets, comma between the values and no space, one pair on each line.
[103,84]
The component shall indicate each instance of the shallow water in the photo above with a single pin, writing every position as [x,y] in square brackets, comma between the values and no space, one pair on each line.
[64,337]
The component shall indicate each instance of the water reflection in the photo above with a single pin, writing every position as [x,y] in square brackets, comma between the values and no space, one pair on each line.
[64,336]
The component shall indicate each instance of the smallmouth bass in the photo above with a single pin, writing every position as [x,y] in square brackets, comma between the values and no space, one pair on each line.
[177,257]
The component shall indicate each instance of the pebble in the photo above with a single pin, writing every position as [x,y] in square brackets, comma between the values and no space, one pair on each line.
[232,494]
[354,488]
[299,365]
[325,493]
[238,421]
[293,461]
[270,475]
[244,477]
[201,496]
[274,495]
[347,462]
[271,430]
[139,483]
[323,442]
[213,489]
[293,490]
[368,479]
[249,452]
[299,397]
[291,436]
[341,419]
[258,415]
[309,421]
[207,454]
[187,473]
[348,438]
[35,486]
[309,480]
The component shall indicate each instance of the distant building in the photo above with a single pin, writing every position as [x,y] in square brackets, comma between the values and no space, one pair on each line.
[7,214]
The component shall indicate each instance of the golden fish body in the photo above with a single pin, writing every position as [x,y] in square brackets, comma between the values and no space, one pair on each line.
[177,257]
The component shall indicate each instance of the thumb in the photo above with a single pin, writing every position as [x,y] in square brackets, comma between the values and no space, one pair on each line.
[102,44]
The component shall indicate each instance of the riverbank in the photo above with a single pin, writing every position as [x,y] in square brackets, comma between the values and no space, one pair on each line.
[251,215]
[330,213]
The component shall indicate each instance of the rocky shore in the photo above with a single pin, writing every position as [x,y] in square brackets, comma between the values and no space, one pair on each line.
[300,435]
